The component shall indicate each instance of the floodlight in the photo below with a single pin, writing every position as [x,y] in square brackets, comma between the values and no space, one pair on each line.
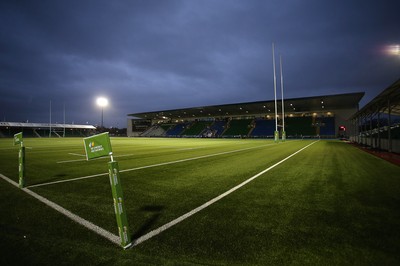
[102,102]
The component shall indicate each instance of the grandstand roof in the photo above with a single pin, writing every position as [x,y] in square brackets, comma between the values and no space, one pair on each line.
[389,98]
[45,125]
[298,105]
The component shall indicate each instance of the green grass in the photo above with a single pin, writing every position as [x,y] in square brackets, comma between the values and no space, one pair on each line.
[331,204]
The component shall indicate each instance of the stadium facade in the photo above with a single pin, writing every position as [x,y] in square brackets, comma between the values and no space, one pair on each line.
[39,130]
[324,116]
[376,125]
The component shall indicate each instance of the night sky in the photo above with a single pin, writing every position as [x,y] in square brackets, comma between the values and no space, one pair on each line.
[158,55]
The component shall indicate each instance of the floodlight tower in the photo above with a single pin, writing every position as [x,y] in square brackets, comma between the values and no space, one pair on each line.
[102,102]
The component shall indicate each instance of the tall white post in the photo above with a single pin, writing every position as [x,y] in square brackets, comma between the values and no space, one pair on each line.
[64,122]
[276,133]
[283,106]
[50,121]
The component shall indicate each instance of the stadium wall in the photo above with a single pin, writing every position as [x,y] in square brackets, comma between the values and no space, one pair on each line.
[342,119]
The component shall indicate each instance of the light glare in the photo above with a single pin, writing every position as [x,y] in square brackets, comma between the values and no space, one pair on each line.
[393,50]
[102,102]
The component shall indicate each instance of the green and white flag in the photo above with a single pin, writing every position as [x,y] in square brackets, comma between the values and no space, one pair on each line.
[97,146]
[18,138]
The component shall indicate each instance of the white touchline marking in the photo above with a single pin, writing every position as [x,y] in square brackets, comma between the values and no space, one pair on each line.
[77,154]
[67,180]
[98,230]
[166,226]
[189,149]
[146,166]
[81,160]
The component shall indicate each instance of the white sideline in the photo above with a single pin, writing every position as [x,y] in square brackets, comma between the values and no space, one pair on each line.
[148,166]
[77,154]
[205,205]
[81,160]
[98,230]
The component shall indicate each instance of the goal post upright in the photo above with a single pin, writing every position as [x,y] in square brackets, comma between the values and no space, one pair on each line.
[283,106]
[276,133]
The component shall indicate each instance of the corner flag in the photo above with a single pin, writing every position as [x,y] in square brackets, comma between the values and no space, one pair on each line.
[97,146]
[18,138]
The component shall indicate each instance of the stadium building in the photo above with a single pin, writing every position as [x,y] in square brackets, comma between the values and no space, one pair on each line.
[39,130]
[320,116]
[376,125]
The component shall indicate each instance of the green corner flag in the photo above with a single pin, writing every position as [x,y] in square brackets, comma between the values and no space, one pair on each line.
[97,146]
[18,138]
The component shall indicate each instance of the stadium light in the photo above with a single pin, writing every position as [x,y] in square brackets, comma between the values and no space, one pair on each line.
[102,102]
[393,50]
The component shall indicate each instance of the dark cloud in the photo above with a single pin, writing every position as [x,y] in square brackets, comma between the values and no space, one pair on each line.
[152,55]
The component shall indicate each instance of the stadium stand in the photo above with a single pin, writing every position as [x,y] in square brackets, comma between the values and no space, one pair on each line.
[376,125]
[176,130]
[327,126]
[40,130]
[317,116]
[154,131]
[297,127]
[167,127]
[218,127]
[238,128]
[196,128]
[263,128]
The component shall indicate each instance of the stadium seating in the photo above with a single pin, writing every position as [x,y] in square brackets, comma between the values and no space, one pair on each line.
[263,128]
[394,132]
[327,126]
[154,131]
[240,127]
[218,127]
[177,129]
[299,126]
[166,127]
[196,128]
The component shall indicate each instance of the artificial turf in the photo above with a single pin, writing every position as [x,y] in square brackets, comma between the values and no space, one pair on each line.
[330,204]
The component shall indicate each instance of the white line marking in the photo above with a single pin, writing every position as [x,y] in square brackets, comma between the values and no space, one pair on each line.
[205,205]
[81,160]
[98,230]
[67,180]
[189,149]
[148,166]
[77,154]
